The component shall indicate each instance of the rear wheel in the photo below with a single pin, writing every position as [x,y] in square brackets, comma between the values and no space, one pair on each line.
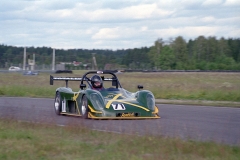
[58,104]
[84,107]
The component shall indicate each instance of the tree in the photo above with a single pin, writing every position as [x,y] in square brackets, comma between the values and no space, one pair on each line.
[179,46]
[212,49]
[224,49]
[234,45]
[155,53]
[166,58]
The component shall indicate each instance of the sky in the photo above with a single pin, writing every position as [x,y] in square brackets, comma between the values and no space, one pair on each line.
[114,24]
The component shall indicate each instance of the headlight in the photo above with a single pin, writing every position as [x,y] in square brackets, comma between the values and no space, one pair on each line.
[150,101]
[97,101]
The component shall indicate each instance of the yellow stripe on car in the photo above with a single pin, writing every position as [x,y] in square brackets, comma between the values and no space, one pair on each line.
[112,100]
[132,104]
[92,110]
[156,110]
[74,98]
[122,101]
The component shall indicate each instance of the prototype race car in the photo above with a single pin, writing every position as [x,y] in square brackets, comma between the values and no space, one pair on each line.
[98,100]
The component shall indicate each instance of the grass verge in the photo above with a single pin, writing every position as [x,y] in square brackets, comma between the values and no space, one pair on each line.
[21,140]
[168,86]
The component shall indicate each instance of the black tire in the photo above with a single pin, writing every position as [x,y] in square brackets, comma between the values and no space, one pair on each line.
[84,107]
[58,103]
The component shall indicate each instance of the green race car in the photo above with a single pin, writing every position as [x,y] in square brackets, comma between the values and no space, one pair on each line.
[101,96]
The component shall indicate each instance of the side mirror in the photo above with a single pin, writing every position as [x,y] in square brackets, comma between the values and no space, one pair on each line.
[82,86]
[140,87]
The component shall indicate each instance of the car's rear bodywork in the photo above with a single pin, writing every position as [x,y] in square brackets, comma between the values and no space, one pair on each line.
[109,103]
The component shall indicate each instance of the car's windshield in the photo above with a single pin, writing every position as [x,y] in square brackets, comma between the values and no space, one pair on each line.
[112,92]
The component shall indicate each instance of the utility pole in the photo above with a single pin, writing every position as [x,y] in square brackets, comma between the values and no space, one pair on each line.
[94,62]
[24,59]
[53,60]
[33,62]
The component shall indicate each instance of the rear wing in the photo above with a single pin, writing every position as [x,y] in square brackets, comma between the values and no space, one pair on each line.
[114,79]
[73,79]
[66,79]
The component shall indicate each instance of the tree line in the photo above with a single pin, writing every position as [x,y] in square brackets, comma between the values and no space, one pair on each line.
[202,53]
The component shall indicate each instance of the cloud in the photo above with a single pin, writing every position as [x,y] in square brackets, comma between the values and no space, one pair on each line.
[208,19]
[186,32]
[108,33]
[232,3]
[212,2]
[114,24]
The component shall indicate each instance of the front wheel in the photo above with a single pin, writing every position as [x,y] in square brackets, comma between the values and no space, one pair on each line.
[84,107]
[58,104]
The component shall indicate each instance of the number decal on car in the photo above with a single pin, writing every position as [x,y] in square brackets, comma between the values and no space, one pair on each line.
[118,106]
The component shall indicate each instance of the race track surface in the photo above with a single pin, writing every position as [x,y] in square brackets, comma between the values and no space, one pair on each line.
[201,123]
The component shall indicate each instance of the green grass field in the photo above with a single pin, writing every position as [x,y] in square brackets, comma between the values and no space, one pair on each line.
[178,85]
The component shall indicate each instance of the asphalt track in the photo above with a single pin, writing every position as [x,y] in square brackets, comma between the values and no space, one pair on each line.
[201,123]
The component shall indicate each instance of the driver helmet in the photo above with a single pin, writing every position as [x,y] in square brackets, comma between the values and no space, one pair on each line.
[96,81]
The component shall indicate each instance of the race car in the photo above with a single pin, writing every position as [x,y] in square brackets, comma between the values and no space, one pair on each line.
[101,96]
[30,73]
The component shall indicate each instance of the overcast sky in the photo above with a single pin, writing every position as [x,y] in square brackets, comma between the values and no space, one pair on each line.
[114,24]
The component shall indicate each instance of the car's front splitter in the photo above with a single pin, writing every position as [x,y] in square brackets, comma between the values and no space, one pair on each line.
[91,116]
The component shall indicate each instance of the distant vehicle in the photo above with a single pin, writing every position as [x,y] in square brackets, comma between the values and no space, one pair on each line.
[30,73]
[13,68]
